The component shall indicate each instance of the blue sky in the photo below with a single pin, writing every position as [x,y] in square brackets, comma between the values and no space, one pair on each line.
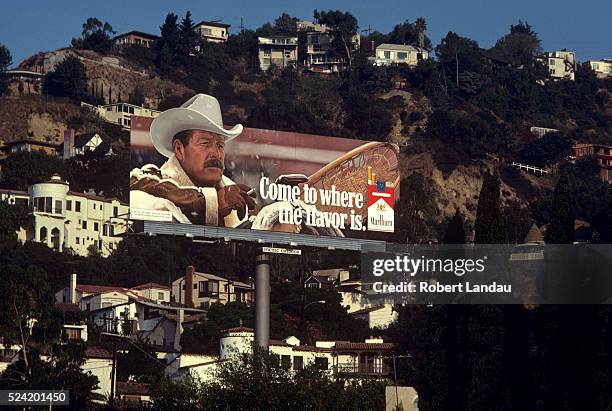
[585,27]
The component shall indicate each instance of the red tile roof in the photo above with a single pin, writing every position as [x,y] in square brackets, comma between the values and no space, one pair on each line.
[363,346]
[97,289]
[150,285]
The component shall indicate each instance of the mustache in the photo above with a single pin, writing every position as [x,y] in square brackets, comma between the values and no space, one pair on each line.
[213,162]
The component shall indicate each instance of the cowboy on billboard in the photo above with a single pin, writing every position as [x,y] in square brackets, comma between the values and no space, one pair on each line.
[190,184]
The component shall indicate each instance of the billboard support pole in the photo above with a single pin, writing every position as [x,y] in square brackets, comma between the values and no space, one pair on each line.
[262,302]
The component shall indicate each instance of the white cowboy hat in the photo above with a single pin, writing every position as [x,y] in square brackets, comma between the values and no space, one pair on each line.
[200,112]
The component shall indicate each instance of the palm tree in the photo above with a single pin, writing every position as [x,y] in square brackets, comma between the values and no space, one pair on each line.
[421,26]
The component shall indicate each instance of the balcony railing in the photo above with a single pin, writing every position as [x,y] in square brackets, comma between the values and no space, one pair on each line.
[362,369]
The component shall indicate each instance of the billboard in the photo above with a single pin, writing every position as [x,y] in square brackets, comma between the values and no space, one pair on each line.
[261,179]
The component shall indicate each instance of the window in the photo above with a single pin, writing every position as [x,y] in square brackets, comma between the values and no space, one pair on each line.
[96,227]
[551,62]
[68,205]
[77,206]
[298,362]
[84,225]
[286,361]
[88,306]
[73,333]
[105,230]
[48,203]
[115,211]
[58,206]
[387,55]
[401,55]
[94,205]
[160,295]
[78,240]
[266,52]
[321,363]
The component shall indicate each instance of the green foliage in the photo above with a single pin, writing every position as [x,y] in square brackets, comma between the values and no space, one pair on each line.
[23,169]
[259,382]
[5,62]
[167,45]
[490,227]
[416,211]
[188,38]
[344,25]
[408,33]
[561,227]
[69,79]
[12,217]
[547,151]
[520,46]
[96,36]
[455,231]
[458,54]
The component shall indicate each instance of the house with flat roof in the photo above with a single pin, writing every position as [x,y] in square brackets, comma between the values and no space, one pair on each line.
[279,51]
[135,38]
[560,64]
[213,31]
[121,113]
[387,54]
[602,68]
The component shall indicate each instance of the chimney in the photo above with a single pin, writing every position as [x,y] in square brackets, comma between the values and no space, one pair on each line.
[68,144]
[73,284]
[180,318]
[189,286]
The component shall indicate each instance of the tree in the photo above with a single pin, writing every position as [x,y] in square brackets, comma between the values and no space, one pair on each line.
[455,232]
[69,79]
[520,46]
[188,38]
[416,210]
[344,26]
[12,218]
[23,169]
[96,36]
[285,24]
[5,62]
[458,54]
[548,150]
[561,226]
[421,26]
[490,226]
[168,44]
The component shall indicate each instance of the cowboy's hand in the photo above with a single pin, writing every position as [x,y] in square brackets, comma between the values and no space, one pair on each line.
[235,197]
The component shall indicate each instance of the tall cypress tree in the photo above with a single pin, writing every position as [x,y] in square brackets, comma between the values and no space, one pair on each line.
[490,227]
[187,36]
[561,227]
[455,233]
[168,44]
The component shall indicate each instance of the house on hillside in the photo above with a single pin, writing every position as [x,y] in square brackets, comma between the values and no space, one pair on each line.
[279,51]
[99,362]
[320,54]
[328,278]
[560,64]
[120,113]
[387,54]
[65,219]
[340,359]
[213,31]
[136,38]
[200,290]
[602,68]
[380,316]
[29,145]
[134,394]
[602,153]
[79,144]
